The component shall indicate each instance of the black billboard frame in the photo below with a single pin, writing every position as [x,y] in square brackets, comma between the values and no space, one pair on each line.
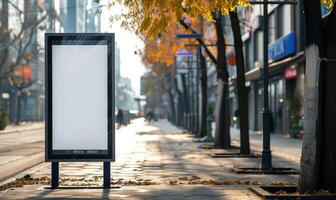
[80,39]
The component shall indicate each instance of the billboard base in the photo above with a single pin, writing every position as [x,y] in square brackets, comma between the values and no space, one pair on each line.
[106,179]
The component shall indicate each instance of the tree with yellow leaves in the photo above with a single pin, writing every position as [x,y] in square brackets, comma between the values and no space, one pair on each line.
[158,55]
[163,48]
[152,17]
[318,154]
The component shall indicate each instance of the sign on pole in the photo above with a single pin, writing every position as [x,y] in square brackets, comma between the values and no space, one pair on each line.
[183,53]
[189,36]
[79,97]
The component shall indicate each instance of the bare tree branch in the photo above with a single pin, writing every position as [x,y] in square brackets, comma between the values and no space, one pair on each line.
[18,42]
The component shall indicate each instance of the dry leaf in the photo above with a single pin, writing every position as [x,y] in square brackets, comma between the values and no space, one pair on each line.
[195,177]
[184,178]
[172,182]
[206,182]
[278,183]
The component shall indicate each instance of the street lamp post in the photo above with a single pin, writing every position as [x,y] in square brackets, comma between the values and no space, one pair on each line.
[190,86]
[192,95]
[266,159]
[195,105]
[197,89]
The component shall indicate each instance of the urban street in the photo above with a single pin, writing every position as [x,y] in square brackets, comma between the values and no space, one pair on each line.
[168,99]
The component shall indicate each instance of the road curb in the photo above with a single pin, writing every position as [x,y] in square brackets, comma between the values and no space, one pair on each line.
[21,130]
[29,164]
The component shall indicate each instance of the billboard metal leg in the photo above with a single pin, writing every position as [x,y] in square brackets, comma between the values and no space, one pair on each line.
[107,175]
[54,175]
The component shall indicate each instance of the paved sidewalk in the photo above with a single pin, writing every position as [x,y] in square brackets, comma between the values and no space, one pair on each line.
[25,126]
[153,161]
[281,145]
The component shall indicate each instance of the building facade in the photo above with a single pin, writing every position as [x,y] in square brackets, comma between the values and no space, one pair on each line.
[22,93]
[286,66]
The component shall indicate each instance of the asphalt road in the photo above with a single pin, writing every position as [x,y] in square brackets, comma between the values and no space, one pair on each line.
[20,151]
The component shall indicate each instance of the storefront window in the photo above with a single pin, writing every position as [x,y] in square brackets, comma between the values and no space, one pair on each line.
[276,104]
[1,11]
[272,28]
[286,20]
[259,50]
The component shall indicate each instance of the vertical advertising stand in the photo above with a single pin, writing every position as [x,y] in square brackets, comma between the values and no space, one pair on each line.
[79,119]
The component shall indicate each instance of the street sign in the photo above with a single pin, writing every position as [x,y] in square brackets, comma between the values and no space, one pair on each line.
[183,53]
[290,72]
[283,47]
[182,65]
[189,36]
[79,97]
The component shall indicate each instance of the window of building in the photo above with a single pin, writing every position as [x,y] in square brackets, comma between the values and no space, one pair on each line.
[245,50]
[272,27]
[259,47]
[249,57]
[1,13]
[286,20]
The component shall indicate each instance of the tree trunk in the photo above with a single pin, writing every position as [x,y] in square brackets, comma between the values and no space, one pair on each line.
[179,107]
[204,97]
[185,100]
[242,92]
[327,171]
[222,131]
[4,40]
[18,108]
[309,169]
[172,105]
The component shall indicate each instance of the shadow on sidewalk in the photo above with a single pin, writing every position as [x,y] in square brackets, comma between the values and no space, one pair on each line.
[197,192]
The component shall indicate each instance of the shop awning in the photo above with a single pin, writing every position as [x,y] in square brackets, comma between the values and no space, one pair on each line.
[286,62]
[256,73]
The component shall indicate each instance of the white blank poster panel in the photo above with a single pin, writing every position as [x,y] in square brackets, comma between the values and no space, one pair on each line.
[79,97]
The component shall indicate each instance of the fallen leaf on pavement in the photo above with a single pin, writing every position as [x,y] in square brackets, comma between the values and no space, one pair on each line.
[278,183]
[184,178]
[207,146]
[172,182]
[207,182]
[195,177]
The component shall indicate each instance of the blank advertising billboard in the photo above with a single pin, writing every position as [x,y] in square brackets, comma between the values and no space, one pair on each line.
[79,97]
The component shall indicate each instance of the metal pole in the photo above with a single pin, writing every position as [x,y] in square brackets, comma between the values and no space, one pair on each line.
[185,100]
[190,94]
[266,159]
[178,96]
[274,2]
[54,175]
[107,175]
[197,89]
[139,107]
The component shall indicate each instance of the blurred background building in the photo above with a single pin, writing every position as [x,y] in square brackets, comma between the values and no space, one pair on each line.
[124,96]
[286,65]
[22,28]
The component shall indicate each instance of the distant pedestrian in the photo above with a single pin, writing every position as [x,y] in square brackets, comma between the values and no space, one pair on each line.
[149,116]
[236,113]
[120,118]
